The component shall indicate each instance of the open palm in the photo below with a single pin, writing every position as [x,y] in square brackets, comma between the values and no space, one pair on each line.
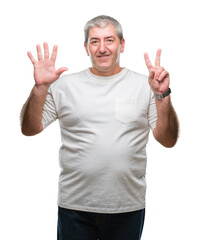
[44,69]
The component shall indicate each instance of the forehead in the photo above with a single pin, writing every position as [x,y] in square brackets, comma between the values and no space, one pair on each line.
[102,32]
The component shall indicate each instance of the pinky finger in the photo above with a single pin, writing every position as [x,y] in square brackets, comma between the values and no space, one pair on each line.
[31,57]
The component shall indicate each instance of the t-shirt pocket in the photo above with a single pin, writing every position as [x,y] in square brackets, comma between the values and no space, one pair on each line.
[126,110]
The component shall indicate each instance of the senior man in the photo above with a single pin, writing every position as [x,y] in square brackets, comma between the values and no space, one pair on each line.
[105,114]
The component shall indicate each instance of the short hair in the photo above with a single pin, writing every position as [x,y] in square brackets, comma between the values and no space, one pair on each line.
[103,21]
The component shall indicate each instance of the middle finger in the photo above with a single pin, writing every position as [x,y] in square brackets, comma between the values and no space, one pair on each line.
[157,61]
[46,50]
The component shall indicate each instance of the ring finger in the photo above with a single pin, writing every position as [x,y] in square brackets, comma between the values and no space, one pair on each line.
[163,75]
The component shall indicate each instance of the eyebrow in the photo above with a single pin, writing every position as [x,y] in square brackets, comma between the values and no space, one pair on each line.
[93,38]
[110,37]
[96,38]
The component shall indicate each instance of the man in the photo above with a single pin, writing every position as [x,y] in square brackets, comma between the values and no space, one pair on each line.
[105,113]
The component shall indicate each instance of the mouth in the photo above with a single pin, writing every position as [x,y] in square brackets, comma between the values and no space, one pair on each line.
[103,56]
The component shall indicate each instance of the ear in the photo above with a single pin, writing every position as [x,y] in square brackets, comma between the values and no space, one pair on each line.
[85,45]
[122,45]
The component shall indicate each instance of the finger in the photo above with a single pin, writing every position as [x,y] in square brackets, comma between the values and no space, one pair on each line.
[61,70]
[163,75]
[31,57]
[147,61]
[39,52]
[157,61]
[54,53]
[46,50]
[151,74]
[158,71]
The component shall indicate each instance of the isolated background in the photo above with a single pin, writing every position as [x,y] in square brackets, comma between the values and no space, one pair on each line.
[29,165]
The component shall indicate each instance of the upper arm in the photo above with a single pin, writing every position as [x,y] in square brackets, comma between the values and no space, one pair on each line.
[49,113]
[152,112]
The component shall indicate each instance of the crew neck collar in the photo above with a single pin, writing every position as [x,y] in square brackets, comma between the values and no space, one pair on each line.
[107,78]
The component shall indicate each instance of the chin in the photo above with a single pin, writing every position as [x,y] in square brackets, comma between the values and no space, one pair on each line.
[104,68]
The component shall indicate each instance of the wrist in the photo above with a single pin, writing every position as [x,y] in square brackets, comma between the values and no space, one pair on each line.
[165,101]
[40,90]
[160,96]
[42,87]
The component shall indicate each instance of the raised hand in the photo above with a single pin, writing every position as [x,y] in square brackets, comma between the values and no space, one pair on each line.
[158,76]
[44,69]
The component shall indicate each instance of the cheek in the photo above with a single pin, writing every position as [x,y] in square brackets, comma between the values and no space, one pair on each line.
[116,51]
[91,52]
[119,49]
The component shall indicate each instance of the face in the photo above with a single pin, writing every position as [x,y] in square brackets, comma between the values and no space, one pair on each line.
[104,49]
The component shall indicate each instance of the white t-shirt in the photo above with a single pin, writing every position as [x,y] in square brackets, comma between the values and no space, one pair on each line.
[104,123]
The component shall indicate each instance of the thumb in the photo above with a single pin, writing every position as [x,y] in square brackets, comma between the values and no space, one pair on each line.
[61,70]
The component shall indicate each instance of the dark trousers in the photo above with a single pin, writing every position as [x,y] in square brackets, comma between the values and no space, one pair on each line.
[79,225]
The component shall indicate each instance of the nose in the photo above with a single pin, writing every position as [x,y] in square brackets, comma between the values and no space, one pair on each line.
[102,47]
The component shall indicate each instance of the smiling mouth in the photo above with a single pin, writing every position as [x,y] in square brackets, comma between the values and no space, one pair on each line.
[103,56]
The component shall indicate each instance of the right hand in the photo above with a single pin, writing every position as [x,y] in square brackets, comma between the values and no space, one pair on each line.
[44,69]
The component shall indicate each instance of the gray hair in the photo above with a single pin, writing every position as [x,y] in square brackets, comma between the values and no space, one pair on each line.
[103,21]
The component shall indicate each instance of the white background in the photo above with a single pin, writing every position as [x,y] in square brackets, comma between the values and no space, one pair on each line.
[29,165]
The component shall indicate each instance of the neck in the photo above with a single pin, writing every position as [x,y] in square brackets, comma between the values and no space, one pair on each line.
[105,72]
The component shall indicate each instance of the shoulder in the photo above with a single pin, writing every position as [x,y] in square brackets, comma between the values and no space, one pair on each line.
[71,77]
[137,76]
[137,79]
[68,79]
[139,83]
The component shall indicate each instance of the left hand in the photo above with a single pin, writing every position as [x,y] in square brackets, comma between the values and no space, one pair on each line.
[158,76]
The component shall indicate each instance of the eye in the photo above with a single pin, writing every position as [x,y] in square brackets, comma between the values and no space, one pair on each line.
[94,42]
[110,41]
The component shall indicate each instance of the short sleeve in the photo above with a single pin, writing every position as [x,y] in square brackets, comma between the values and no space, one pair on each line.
[152,113]
[49,114]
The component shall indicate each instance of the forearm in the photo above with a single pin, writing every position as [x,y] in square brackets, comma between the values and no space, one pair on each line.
[32,116]
[167,126]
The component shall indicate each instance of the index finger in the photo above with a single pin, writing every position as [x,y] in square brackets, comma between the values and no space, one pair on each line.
[157,61]
[147,61]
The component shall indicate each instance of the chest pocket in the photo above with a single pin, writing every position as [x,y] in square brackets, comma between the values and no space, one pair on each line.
[126,110]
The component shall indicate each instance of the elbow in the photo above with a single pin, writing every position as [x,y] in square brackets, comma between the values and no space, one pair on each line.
[169,144]
[168,141]
[30,132]
[172,139]
[27,133]
[24,131]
